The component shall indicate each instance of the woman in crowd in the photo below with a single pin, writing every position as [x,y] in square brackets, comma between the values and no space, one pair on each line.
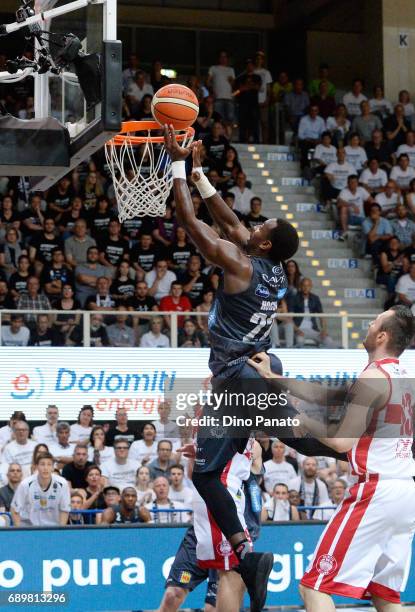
[180,252]
[123,286]
[405,100]
[165,232]
[100,217]
[295,500]
[8,216]
[229,168]
[81,430]
[11,250]
[355,153]
[143,486]
[145,450]
[98,453]
[68,324]
[94,495]
[18,280]
[144,109]
[205,306]
[91,192]
[278,507]
[392,265]
[339,125]
[190,336]
[410,198]
[39,448]
[294,276]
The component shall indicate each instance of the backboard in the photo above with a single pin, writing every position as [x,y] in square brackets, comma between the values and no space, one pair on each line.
[61,96]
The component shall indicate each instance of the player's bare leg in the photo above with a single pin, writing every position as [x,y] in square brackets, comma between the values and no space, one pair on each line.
[314,601]
[231,589]
[382,605]
[172,599]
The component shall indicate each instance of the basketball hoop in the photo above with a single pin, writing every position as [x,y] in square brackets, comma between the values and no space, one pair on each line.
[141,168]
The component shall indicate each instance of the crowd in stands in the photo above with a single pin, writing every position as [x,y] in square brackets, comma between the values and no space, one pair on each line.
[134,472]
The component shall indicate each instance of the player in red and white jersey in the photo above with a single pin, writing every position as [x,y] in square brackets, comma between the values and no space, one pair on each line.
[365,550]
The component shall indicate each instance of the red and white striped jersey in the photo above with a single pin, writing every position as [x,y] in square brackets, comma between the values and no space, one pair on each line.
[238,468]
[385,449]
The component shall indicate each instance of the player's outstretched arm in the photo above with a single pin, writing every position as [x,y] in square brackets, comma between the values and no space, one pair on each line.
[220,212]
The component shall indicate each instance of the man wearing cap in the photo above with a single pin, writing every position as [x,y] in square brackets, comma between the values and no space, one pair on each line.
[247,86]
[264,94]
[112,495]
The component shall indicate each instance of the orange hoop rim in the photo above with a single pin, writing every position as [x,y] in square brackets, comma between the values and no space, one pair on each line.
[129,127]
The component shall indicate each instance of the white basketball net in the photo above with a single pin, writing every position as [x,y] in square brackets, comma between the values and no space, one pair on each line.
[141,176]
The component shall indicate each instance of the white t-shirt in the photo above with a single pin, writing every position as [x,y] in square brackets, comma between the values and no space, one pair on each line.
[402,177]
[220,81]
[104,455]
[374,181]
[331,125]
[408,109]
[120,475]
[79,433]
[410,152]
[358,198]
[382,106]
[353,102]
[166,431]
[242,199]
[185,496]
[139,451]
[341,172]
[20,453]
[138,94]
[277,509]
[61,451]
[266,79]
[406,286]
[356,156]
[164,284]
[5,435]
[150,340]
[44,434]
[19,339]
[306,323]
[38,507]
[277,472]
[386,203]
[168,517]
[328,155]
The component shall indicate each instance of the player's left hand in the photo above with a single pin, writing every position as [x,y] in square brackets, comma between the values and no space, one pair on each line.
[197,162]
[262,364]
[188,450]
[176,152]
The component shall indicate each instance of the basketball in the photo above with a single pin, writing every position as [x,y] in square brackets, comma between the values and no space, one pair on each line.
[175,104]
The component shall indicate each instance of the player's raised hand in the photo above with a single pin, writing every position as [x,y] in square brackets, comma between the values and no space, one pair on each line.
[262,364]
[176,152]
[188,450]
[197,162]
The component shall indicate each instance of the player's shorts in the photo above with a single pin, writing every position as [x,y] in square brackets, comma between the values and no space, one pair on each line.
[366,547]
[213,550]
[185,572]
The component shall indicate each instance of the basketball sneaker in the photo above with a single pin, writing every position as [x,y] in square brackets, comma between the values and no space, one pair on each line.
[255,569]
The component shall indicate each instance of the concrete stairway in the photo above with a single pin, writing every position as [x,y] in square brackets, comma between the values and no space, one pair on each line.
[343,282]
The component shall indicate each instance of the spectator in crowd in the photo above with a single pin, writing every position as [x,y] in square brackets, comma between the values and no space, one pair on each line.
[243,195]
[228,169]
[379,149]
[389,199]
[190,336]
[98,451]
[157,79]
[325,153]
[38,450]
[355,154]
[277,469]
[163,463]
[62,450]
[112,496]
[194,281]
[402,227]
[313,491]
[408,148]
[154,338]
[137,89]
[284,324]
[47,433]
[98,331]
[120,471]
[310,129]
[392,263]
[339,125]
[33,300]
[81,430]
[409,252]
[142,302]
[159,280]
[294,276]
[43,334]
[66,221]
[32,218]
[123,286]
[42,499]
[145,450]
[121,429]
[113,249]
[43,244]
[409,198]
[204,306]
[76,246]
[144,255]
[365,123]
[377,230]
[180,252]
[323,77]
[102,299]
[128,75]
[405,288]
[396,127]
[353,99]
[94,496]
[307,327]
[75,471]
[175,302]
[247,87]
[324,101]
[281,87]
[403,173]
[296,102]
[373,178]
[100,218]
[264,94]
[127,511]
[221,77]
[229,199]
[10,251]
[14,478]
[337,493]
[335,177]
[216,143]
[8,216]
[120,333]
[143,486]
[295,500]
[379,104]
[179,492]
[55,275]
[165,427]
[162,502]
[350,204]
[15,334]
[278,507]
[87,274]
[20,450]
[6,300]
[254,217]
[18,280]
[76,518]
[6,432]
[405,99]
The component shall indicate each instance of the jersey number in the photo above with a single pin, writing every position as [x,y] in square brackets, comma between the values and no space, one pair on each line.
[261,320]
